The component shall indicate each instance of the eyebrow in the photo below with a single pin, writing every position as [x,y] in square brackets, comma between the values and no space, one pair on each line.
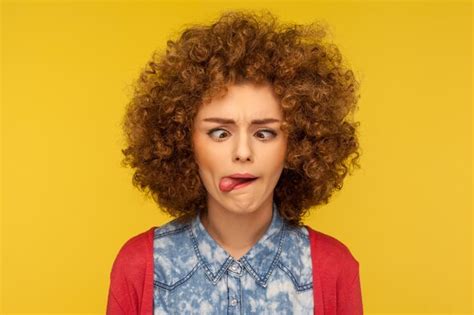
[231,121]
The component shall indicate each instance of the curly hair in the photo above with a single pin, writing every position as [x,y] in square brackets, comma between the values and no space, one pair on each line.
[317,93]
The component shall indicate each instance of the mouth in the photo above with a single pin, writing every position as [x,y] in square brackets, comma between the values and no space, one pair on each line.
[232,183]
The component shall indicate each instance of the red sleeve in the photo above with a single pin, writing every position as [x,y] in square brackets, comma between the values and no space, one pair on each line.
[113,305]
[336,281]
[349,297]
[127,277]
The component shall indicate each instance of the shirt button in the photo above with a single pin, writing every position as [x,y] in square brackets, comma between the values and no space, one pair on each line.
[235,267]
[233,302]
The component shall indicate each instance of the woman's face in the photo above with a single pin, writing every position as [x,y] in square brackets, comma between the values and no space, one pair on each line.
[240,134]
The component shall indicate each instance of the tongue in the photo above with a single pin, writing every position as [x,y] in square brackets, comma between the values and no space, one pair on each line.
[227,183]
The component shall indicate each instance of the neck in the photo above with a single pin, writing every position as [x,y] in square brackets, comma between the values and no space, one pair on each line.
[237,232]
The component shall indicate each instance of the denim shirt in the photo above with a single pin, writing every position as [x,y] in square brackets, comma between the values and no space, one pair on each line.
[194,275]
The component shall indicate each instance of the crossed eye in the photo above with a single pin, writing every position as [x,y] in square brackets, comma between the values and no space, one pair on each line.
[223,132]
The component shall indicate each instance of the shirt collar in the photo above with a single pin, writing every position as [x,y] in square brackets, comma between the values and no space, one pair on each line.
[259,261]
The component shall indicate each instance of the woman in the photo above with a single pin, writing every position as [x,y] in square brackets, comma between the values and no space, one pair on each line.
[237,130]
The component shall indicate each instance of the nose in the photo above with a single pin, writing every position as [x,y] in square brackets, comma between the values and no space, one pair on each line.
[243,151]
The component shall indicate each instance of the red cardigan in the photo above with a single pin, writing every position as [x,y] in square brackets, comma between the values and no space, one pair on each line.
[336,284]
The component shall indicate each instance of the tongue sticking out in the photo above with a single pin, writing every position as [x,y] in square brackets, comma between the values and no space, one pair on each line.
[227,183]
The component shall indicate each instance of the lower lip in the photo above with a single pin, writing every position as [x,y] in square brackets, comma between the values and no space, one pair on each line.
[244,184]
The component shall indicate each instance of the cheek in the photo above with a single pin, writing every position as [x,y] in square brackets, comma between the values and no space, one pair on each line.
[207,153]
[274,157]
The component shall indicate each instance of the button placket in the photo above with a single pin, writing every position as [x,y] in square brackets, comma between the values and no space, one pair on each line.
[234,288]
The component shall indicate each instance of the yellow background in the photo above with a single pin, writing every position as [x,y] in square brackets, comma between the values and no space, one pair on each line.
[68,206]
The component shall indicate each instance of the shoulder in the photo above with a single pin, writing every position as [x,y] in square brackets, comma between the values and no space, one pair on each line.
[173,227]
[135,252]
[336,272]
[173,254]
[131,270]
[331,255]
[295,257]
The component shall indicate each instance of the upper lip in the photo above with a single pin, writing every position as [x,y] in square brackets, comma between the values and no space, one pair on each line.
[242,175]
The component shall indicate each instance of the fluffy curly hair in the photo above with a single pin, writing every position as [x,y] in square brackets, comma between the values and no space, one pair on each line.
[317,92]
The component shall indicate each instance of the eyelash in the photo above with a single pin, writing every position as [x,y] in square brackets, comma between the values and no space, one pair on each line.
[262,130]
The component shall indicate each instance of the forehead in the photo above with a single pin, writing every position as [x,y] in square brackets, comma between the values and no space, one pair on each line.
[243,101]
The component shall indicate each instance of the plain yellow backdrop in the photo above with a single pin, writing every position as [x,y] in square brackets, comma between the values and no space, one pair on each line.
[68,205]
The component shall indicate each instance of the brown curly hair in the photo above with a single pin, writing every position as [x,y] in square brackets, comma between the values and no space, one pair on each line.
[317,92]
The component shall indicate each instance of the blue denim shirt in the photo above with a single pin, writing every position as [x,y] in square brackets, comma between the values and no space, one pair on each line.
[194,275]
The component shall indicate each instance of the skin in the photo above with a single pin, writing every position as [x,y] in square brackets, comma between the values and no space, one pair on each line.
[236,220]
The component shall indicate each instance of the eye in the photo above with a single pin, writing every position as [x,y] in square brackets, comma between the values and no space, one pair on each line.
[271,132]
[221,134]
[214,133]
